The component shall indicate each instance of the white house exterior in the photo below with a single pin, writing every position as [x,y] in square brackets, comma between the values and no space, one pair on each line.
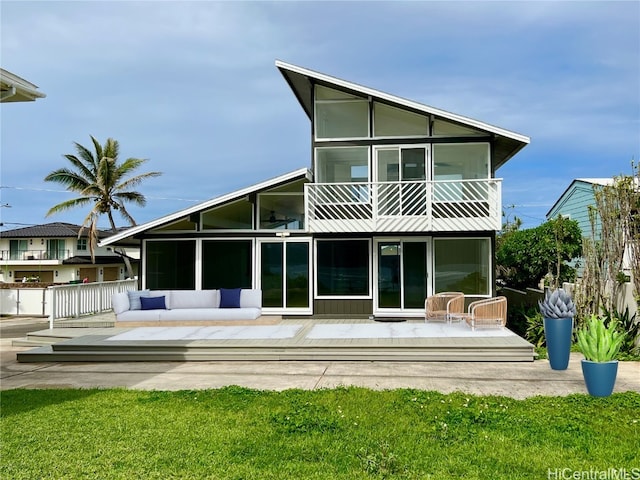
[53,253]
[400,201]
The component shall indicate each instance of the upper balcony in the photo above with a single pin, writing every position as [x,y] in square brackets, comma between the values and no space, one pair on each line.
[56,256]
[416,206]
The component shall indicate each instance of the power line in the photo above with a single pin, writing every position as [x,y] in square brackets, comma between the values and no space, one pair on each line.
[33,189]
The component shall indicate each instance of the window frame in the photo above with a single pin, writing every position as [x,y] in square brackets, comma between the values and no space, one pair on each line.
[356,99]
[406,110]
[317,296]
[490,267]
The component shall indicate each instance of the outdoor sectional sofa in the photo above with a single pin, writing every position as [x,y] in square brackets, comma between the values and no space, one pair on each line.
[188,307]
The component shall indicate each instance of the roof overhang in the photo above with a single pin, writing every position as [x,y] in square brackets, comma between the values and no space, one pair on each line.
[127,235]
[16,89]
[301,81]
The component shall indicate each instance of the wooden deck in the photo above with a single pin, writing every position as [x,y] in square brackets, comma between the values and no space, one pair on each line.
[97,345]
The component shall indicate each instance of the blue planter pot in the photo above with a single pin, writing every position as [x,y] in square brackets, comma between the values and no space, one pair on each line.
[557,333]
[600,377]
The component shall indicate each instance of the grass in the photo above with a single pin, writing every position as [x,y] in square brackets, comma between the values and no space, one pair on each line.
[344,433]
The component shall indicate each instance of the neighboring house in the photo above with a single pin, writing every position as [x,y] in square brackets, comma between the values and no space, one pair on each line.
[574,204]
[53,253]
[400,201]
[16,89]
[575,201]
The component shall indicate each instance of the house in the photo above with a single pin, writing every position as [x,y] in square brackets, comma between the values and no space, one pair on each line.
[16,89]
[54,253]
[574,203]
[400,201]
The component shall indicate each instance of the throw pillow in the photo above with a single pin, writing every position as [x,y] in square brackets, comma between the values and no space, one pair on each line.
[153,303]
[134,298]
[229,298]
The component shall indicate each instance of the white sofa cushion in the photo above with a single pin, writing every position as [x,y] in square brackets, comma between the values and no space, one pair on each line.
[167,294]
[177,302]
[208,314]
[120,302]
[193,299]
[251,298]
[134,298]
[140,316]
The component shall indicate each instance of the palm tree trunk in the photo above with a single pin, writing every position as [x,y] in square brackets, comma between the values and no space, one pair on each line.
[120,251]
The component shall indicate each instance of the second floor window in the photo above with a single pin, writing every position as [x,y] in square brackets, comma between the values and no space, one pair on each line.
[55,249]
[17,249]
[340,115]
[82,244]
[342,164]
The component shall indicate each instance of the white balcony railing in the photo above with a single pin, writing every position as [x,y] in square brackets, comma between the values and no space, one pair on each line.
[30,255]
[433,206]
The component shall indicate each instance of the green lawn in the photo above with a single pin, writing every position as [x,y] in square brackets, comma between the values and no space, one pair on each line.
[350,433]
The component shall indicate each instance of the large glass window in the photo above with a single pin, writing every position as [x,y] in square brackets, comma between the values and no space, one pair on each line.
[343,267]
[236,215]
[170,265]
[407,164]
[340,115]
[55,249]
[271,274]
[17,249]
[342,164]
[460,161]
[442,128]
[402,274]
[297,268]
[390,121]
[462,265]
[389,275]
[414,262]
[285,282]
[466,161]
[282,211]
[226,264]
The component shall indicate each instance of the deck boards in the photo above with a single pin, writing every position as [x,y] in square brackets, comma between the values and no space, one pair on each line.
[93,345]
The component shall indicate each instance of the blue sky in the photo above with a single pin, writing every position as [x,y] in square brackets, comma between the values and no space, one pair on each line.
[192,86]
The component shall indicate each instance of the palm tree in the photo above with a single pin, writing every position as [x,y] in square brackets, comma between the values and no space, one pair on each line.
[101,183]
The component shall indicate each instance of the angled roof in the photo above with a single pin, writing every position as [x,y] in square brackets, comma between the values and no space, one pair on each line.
[49,230]
[214,202]
[302,79]
[590,181]
[596,181]
[16,89]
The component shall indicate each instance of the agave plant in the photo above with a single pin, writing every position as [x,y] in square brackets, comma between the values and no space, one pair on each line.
[597,342]
[557,304]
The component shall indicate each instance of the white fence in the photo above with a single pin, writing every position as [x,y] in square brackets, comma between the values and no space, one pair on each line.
[62,301]
[24,301]
[68,301]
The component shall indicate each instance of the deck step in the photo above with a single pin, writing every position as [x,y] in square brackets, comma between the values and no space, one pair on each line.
[96,351]
[103,345]
[31,342]
[47,354]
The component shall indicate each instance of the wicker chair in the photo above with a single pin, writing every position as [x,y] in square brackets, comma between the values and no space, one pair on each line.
[490,312]
[442,305]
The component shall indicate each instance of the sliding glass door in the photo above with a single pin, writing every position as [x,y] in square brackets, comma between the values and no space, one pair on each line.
[402,273]
[285,275]
[403,171]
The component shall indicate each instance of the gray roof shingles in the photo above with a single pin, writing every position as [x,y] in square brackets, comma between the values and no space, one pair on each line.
[48,230]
